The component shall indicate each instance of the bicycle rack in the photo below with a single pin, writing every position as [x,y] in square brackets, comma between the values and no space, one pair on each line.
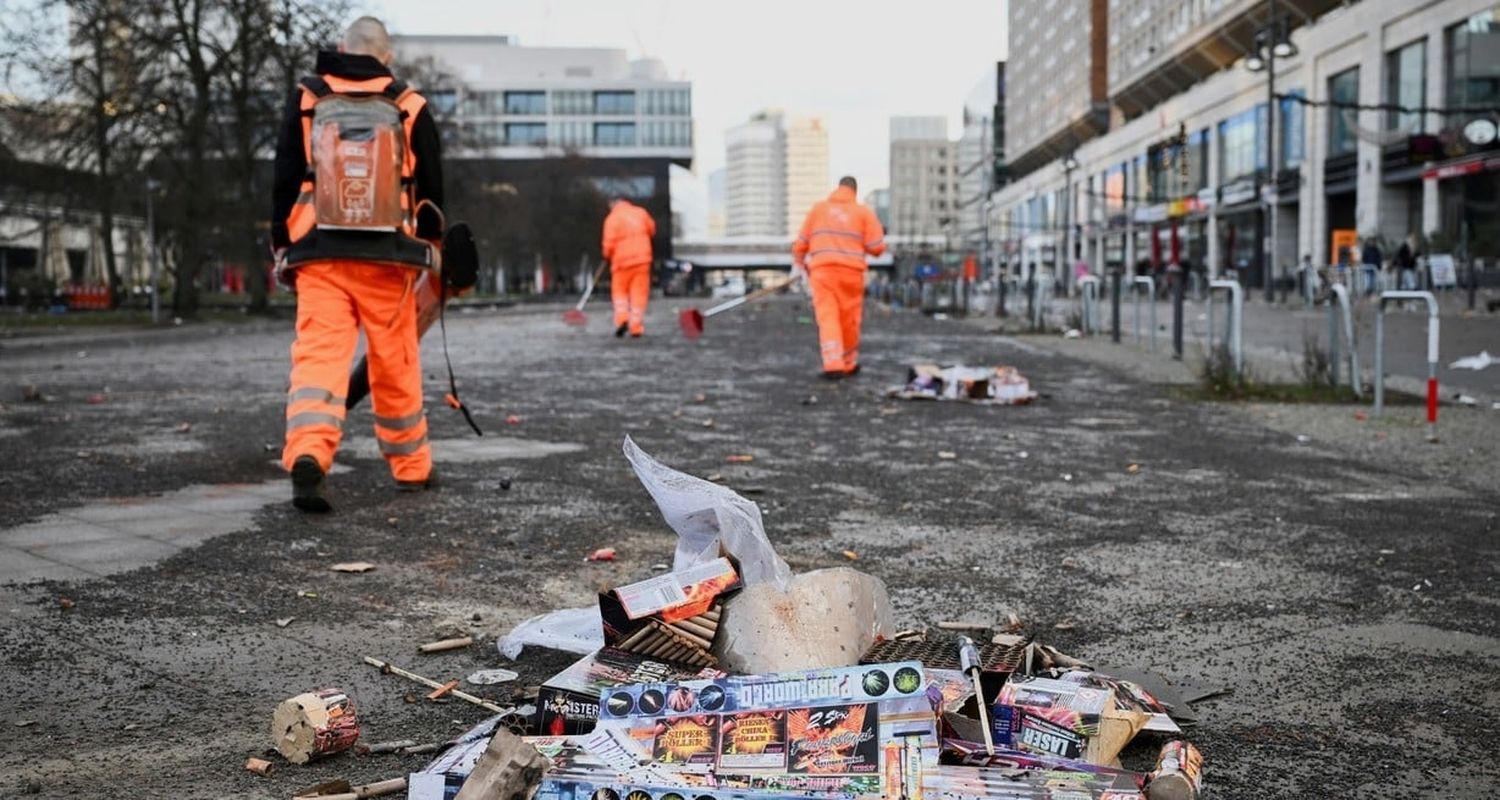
[1341,292]
[1432,354]
[1236,320]
[1150,284]
[1088,294]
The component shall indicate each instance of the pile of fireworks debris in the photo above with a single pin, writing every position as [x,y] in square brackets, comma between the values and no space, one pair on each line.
[730,678]
[1003,386]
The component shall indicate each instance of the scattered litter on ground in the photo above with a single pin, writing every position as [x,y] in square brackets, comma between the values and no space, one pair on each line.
[1073,333]
[1303,438]
[259,766]
[740,458]
[1479,362]
[486,677]
[307,594]
[726,674]
[314,724]
[183,427]
[66,603]
[352,566]
[512,419]
[25,723]
[983,385]
[602,554]
[1465,400]
[660,567]
[1361,416]
[96,399]
[700,398]
[282,622]
[446,644]
[947,455]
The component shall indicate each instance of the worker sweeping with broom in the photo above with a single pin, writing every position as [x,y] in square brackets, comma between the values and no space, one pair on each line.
[836,236]
[627,247]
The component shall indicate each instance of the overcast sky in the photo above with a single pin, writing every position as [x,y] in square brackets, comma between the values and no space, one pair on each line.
[855,64]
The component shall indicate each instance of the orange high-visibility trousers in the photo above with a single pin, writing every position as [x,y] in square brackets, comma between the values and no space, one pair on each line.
[630,289]
[838,296]
[335,300]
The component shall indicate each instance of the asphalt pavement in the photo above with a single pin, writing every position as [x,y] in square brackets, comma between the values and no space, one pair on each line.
[160,597]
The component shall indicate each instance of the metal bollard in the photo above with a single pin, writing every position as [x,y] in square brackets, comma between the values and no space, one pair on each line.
[1341,293]
[1114,303]
[1432,354]
[1236,320]
[1150,284]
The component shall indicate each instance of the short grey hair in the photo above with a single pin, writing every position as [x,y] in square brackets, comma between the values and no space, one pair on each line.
[367,36]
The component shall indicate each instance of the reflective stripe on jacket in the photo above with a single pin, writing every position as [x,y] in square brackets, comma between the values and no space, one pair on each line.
[839,232]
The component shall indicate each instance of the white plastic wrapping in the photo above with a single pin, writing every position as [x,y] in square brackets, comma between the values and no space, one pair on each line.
[704,515]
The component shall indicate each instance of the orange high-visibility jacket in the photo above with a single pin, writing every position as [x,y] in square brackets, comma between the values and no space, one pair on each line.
[839,232]
[627,236]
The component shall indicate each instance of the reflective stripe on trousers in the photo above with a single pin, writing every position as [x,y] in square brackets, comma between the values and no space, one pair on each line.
[335,300]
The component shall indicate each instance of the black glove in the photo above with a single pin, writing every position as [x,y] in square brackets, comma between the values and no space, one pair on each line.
[460,257]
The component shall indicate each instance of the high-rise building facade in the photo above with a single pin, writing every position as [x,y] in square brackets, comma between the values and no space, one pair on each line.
[1383,129]
[776,167]
[1056,81]
[504,109]
[924,176]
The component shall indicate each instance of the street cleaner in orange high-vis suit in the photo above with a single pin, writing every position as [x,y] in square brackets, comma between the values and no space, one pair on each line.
[627,247]
[357,185]
[836,236]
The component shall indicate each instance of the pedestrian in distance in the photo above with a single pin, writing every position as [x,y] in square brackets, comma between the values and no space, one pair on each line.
[830,251]
[356,190]
[628,229]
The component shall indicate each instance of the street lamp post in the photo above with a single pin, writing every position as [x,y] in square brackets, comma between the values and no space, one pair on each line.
[1271,42]
[1069,164]
[151,186]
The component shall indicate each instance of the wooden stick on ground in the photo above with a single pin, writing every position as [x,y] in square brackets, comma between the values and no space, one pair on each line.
[384,666]
[361,792]
[447,644]
[442,690]
[386,747]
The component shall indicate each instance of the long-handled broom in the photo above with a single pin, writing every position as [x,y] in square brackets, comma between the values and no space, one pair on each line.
[691,320]
[575,315]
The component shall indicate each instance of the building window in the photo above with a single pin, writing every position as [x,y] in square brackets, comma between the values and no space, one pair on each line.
[640,187]
[481,103]
[1406,85]
[614,103]
[570,102]
[614,134]
[1241,148]
[443,102]
[524,134]
[1473,80]
[1342,88]
[525,102]
[1293,129]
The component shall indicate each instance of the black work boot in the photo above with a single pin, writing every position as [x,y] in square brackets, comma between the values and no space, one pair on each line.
[307,486]
[620,331]
[430,482]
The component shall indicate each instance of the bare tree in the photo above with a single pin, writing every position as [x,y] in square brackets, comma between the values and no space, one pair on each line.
[84,76]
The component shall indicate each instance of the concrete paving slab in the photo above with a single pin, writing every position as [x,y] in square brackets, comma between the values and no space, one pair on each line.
[120,553]
[475,450]
[19,566]
[55,531]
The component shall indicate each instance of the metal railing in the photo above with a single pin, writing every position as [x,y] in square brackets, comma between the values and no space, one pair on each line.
[1236,321]
[1335,310]
[1150,284]
[1432,354]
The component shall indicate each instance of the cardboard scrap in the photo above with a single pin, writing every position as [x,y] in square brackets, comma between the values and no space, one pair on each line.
[352,566]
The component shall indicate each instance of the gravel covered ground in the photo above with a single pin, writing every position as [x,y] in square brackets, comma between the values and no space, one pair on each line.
[1343,587]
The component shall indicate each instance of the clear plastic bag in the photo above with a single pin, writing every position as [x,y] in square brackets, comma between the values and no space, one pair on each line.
[576,630]
[705,514]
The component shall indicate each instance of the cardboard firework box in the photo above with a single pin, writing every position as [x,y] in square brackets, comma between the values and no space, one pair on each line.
[1064,719]
[670,617]
[568,702]
[864,731]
